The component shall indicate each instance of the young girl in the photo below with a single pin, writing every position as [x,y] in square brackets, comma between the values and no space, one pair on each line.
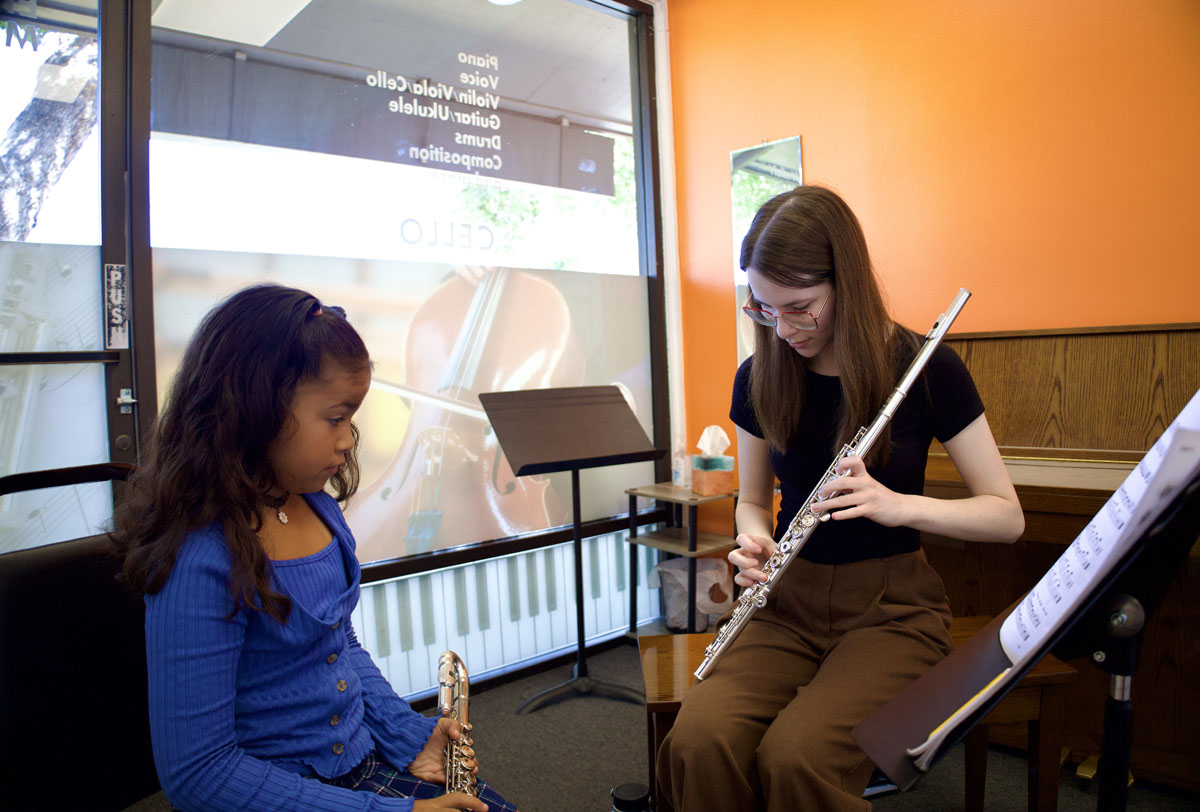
[860,613]
[261,697]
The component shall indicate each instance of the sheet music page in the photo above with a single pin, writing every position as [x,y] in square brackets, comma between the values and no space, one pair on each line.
[1148,489]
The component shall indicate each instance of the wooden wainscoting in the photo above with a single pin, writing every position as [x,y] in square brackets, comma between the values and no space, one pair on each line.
[1108,389]
[1073,410]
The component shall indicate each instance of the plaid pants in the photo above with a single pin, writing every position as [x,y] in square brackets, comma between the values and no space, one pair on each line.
[375,775]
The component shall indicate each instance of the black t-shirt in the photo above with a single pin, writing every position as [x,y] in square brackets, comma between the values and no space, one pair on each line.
[941,402]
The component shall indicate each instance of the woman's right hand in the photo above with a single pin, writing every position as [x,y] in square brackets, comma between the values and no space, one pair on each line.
[751,554]
[453,800]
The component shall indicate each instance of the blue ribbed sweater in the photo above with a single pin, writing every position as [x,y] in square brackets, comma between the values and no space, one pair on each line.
[242,707]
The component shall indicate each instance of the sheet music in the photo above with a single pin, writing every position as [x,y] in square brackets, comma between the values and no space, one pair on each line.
[1148,489]
[1171,463]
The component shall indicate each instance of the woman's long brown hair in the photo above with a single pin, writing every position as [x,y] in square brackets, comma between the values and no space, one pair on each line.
[207,459]
[801,238]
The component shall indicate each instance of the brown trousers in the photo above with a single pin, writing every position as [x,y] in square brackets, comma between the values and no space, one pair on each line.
[770,727]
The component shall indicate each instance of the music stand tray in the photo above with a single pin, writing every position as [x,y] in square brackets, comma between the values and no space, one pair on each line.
[544,431]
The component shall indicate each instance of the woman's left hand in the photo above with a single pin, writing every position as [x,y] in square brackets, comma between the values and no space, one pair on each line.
[860,494]
[430,763]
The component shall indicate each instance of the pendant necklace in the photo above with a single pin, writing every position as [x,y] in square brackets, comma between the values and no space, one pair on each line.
[276,504]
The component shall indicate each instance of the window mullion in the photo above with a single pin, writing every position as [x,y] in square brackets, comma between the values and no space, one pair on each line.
[114,98]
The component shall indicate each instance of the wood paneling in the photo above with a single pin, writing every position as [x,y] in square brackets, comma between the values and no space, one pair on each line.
[1108,391]
[1073,410]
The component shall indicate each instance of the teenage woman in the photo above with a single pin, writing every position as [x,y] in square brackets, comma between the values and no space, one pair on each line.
[861,613]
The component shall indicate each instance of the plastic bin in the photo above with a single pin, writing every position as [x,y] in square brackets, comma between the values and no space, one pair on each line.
[714,590]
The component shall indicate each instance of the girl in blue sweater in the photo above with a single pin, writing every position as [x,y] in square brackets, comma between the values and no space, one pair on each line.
[261,697]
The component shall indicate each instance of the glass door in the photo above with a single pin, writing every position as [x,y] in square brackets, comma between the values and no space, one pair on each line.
[55,348]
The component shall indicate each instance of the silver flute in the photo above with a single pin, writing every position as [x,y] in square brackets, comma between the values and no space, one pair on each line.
[805,521]
[454,692]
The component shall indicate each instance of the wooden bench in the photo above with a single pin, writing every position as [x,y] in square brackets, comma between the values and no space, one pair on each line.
[669,660]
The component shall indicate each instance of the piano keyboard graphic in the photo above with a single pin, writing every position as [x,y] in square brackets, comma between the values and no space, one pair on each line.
[499,613]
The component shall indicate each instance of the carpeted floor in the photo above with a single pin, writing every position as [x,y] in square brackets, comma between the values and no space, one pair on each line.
[567,756]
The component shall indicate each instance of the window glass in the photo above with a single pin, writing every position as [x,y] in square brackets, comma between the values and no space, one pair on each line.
[50,298]
[49,178]
[34,518]
[51,415]
[49,191]
[459,176]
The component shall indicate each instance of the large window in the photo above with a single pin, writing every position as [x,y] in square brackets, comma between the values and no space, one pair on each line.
[460,177]
[471,182]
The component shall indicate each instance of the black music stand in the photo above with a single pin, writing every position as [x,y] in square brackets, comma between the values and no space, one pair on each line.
[543,431]
[1107,627]
[1109,630]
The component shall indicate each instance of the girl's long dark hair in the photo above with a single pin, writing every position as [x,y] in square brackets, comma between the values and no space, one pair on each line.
[804,237]
[207,459]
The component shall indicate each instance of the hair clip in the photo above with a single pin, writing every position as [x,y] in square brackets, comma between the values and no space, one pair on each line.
[340,312]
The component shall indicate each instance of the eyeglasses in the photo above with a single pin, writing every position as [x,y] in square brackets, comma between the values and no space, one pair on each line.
[800,319]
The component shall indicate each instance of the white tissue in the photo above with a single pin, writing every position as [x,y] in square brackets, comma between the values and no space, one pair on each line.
[713,442]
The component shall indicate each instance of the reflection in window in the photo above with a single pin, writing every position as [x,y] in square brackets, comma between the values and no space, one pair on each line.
[34,518]
[49,190]
[460,177]
[49,298]
[50,417]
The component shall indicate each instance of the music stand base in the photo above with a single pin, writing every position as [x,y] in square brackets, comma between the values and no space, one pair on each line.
[581,686]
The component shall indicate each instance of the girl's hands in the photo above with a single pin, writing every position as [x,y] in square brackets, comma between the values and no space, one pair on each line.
[455,800]
[861,495]
[430,763]
[749,557]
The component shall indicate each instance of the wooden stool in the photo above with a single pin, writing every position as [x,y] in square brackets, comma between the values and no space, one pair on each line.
[669,660]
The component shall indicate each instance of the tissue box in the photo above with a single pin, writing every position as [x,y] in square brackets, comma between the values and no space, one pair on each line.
[712,475]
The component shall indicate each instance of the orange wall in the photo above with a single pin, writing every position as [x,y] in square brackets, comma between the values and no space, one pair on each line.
[1044,155]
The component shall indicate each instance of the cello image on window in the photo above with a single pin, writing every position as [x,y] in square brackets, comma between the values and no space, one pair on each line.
[449,483]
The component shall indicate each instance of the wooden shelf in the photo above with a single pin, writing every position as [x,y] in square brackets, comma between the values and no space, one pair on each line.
[666,492]
[675,540]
